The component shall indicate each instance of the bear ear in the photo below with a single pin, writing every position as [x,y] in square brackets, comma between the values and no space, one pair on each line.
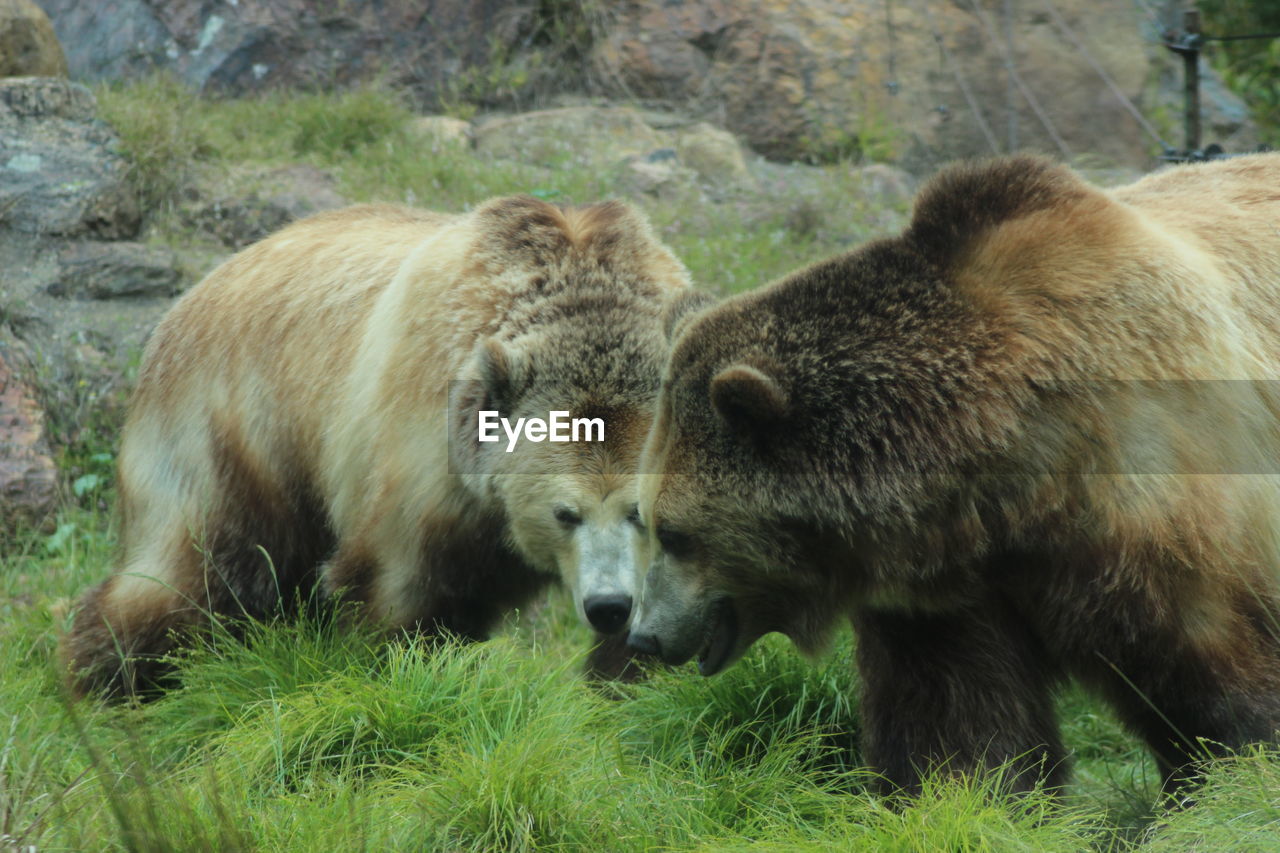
[682,307]
[522,228]
[746,398]
[499,370]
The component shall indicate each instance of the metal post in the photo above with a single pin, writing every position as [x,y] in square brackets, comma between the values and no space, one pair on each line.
[1191,42]
[1010,99]
[1187,44]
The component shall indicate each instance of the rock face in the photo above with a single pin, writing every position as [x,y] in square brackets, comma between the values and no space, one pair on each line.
[28,46]
[910,81]
[28,479]
[242,46]
[78,292]
[818,78]
[76,299]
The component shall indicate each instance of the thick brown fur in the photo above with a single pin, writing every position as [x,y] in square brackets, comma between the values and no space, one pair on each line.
[305,418]
[1034,437]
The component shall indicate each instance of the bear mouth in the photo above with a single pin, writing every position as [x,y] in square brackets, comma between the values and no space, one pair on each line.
[722,637]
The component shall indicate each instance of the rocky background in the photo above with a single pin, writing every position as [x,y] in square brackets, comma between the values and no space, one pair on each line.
[792,78]
[719,92]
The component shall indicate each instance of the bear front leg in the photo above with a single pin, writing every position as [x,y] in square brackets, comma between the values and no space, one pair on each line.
[458,579]
[959,693]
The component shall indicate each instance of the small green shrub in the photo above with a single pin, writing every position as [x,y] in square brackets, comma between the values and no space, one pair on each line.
[161,135]
[1237,808]
[346,123]
[1250,67]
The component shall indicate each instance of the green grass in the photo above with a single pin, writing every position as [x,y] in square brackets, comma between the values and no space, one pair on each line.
[306,736]
[363,139]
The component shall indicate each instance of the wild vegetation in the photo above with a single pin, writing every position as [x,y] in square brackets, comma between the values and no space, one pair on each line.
[303,735]
[1250,66]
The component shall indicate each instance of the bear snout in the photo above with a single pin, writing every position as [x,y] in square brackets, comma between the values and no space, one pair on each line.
[645,643]
[608,614]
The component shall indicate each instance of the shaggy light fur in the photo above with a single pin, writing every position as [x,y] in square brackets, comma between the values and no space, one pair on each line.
[306,416]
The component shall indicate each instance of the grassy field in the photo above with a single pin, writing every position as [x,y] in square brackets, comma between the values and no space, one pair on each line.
[304,736]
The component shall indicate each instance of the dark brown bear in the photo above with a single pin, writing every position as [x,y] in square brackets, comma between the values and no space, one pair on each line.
[1035,437]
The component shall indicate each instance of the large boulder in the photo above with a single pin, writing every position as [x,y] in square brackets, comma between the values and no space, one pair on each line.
[60,173]
[895,80]
[28,46]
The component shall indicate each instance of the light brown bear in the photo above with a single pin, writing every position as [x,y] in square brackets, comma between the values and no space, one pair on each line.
[1036,436]
[308,416]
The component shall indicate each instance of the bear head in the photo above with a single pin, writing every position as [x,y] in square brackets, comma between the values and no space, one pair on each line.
[577,356]
[820,441]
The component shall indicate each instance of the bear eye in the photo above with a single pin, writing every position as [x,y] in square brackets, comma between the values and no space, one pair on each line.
[674,543]
[567,516]
[633,518]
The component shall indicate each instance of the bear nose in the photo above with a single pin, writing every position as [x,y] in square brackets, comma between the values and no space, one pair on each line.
[607,613]
[645,644]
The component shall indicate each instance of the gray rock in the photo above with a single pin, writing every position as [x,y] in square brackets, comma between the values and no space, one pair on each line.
[60,173]
[713,153]
[31,98]
[657,173]
[593,136]
[237,222]
[885,185]
[91,270]
[277,197]
[251,45]
[109,39]
[440,131]
[61,184]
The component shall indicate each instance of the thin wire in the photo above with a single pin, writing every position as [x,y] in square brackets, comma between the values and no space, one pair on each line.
[1204,37]
[892,85]
[1150,13]
[1102,72]
[1021,84]
[964,87]
[1011,114]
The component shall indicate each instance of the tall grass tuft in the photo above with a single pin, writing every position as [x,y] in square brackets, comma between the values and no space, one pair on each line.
[767,700]
[346,123]
[160,126]
[1237,808]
